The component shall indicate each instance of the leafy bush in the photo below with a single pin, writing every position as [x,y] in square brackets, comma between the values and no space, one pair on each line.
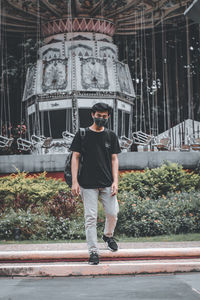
[38,193]
[24,221]
[40,226]
[165,200]
[174,214]
[170,177]
[41,207]
[64,205]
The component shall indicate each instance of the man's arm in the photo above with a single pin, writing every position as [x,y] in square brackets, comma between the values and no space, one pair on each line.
[115,170]
[74,169]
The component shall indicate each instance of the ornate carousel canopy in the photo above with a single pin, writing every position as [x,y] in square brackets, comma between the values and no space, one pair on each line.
[103,16]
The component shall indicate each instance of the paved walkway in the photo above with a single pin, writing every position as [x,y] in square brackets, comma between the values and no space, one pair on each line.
[161,287]
[83,246]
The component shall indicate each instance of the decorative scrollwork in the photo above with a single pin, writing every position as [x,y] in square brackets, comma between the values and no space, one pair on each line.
[30,82]
[123,78]
[94,73]
[54,75]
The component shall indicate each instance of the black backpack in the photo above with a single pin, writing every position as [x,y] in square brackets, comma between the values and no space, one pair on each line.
[67,170]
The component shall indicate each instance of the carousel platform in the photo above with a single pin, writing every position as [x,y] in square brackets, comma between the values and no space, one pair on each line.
[70,259]
[127,161]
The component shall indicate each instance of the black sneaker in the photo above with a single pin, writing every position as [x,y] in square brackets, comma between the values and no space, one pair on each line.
[94,258]
[110,242]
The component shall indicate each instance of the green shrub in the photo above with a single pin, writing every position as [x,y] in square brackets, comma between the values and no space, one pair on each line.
[65,229]
[174,214]
[159,201]
[43,227]
[31,225]
[40,227]
[170,177]
[38,194]
[64,205]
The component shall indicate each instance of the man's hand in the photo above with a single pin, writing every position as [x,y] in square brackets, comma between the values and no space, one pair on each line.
[75,189]
[114,189]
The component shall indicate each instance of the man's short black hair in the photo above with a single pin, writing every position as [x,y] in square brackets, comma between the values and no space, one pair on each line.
[101,107]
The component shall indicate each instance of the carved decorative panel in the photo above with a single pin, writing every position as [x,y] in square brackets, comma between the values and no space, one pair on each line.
[54,75]
[94,73]
[123,78]
[30,82]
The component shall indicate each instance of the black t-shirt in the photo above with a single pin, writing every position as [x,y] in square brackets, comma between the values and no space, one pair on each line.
[96,171]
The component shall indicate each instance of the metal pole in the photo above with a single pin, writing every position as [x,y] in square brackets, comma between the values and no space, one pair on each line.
[75,115]
[115,116]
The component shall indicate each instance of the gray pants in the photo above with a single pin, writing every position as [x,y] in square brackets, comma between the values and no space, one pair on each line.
[111,208]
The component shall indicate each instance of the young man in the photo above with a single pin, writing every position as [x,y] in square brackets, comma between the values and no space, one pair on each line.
[98,177]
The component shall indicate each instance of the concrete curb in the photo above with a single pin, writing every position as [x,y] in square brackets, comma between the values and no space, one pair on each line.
[123,262]
[83,269]
[82,255]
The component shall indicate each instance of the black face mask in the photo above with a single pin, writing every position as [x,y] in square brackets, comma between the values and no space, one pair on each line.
[100,121]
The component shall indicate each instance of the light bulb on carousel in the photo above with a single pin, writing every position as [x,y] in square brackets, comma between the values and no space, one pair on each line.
[156,84]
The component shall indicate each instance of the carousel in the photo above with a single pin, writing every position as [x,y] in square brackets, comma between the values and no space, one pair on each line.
[78,65]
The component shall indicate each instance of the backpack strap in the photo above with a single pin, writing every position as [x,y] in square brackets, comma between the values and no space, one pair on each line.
[108,135]
[82,132]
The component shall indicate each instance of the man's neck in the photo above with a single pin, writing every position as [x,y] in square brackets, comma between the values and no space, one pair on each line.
[94,127]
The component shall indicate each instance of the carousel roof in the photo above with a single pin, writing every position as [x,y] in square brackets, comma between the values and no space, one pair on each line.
[127,15]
